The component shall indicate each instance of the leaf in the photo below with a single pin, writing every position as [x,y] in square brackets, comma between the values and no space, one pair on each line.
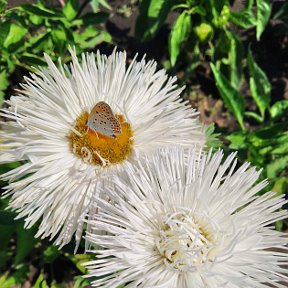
[277,166]
[216,7]
[281,149]
[255,116]
[6,233]
[244,18]
[40,11]
[33,60]
[91,37]
[39,43]
[235,56]
[16,278]
[94,18]
[78,260]
[41,282]
[70,9]
[35,19]
[7,218]
[50,254]
[3,85]
[259,85]
[263,13]
[3,4]
[95,5]
[16,33]
[152,15]
[5,27]
[81,282]
[282,13]
[25,243]
[204,32]
[179,34]
[212,139]
[237,141]
[230,95]
[278,109]
[280,185]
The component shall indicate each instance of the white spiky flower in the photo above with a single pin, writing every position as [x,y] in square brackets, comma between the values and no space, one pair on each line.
[183,220]
[64,163]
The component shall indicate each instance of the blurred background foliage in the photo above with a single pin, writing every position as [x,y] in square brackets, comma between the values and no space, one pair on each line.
[229,54]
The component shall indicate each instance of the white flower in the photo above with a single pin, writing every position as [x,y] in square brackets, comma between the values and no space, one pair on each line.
[180,220]
[64,163]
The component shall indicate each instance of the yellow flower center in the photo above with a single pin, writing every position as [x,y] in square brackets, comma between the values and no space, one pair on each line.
[99,149]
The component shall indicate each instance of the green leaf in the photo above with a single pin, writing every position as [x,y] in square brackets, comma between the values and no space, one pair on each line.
[95,5]
[6,233]
[35,19]
[5,27]
[81,282]
[41,282]
[179,34]
[244,18]
[280,185]
[259,85]
[235,57]
[278,109]
[94,18]
[277,166]
[282,13]
[33,60]
[25,243]
[281,149]
[50,254]
[3,4]
[59,37]
[264,8]
[204,32]
[16,278]
[237,141]
[16,33]
[40,11]
[78,259]
[39,43]
[152,15]
[212,138]
[91,37]
[255,116]
[3,85]
[216,7]
[70,9]
[8,218]
[230,95]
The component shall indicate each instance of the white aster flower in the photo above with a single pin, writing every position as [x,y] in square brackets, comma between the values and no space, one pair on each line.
[180,220]
[64,162]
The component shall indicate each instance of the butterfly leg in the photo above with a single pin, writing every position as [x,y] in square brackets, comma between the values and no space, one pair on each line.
[93,131]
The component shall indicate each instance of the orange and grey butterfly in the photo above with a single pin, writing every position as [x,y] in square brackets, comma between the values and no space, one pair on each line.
[101,119]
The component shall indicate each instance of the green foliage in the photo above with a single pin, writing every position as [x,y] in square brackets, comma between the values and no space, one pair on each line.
[203,31]
[211,21]
[29,30]
[230,95]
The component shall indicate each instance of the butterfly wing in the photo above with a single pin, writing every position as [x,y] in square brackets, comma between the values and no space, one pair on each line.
[101,119]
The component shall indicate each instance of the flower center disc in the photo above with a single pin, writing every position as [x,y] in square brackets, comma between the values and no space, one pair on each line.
[99,149]
[184,244]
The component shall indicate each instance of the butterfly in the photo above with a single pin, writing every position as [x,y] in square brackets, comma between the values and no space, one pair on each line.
[101,119]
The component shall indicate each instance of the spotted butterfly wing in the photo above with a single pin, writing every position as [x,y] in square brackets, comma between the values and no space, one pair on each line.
[101,119]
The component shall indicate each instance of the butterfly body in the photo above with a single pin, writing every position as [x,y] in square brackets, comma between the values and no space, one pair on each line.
[101,119]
